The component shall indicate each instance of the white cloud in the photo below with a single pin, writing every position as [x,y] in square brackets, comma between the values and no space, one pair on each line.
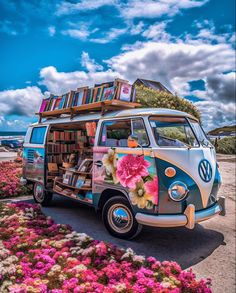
[219,87]
[13,124]
[153,8]
[89,63]
[136,29]
[215,113]
[157,32]
[110,36]
[79,30]
[51,31]
[173,64]
[22,102]
[132,8]
[81,34]
[61,82]
[83,5]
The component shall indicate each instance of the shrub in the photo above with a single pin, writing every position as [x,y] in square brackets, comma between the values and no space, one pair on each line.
[151,98]
[226,145]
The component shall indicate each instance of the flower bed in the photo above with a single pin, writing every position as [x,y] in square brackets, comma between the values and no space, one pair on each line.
[10,173]
[37,255]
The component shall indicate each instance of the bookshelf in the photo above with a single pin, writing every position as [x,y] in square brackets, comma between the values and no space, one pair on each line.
[102,107]
[59,181]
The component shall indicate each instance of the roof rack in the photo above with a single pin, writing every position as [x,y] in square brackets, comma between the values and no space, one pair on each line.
[103,107]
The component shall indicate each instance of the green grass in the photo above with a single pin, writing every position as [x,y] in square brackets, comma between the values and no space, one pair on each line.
[223,129]
[226,145]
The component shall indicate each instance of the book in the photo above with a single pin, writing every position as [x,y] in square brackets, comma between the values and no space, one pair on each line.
[65,101]
[86,165]
[95,90]
[108,93]
[125,92]
[67,177]
[99,94]
[57,103]
[43,105]
[80,181]
[62,102]
[91,95]
[87,183]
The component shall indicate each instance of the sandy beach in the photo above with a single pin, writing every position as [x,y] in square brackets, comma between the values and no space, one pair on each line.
[7,156]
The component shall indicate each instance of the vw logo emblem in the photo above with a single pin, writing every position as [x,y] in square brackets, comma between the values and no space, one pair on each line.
[205,170]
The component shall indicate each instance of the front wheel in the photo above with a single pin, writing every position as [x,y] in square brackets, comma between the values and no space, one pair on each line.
[41,196]
[119,219]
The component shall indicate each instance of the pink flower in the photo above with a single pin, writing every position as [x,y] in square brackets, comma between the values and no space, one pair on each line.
[130,170]
[152,189]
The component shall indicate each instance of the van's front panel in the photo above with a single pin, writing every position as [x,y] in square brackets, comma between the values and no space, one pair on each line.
[33,162]
[187,164]
[34,154]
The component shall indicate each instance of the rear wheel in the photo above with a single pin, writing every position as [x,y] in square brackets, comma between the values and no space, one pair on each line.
[41,196]
[119,219]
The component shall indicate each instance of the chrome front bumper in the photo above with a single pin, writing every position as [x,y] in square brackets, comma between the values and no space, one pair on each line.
[188,219]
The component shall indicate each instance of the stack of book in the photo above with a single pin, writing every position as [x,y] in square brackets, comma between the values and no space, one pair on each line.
[62,135]
[62,148]
[118,89]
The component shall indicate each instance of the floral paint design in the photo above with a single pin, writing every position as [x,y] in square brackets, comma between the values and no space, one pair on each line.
[136,173]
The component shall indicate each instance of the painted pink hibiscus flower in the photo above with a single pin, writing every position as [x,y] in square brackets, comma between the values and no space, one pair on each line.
[152,189]
[130,170]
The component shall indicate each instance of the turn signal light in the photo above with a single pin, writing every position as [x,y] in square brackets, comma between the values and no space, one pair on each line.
[170,172]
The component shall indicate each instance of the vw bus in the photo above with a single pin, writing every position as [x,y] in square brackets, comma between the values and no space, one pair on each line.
[153,167]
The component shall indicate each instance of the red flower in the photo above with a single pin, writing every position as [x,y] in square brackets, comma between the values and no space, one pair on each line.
[130,170]
[152,189]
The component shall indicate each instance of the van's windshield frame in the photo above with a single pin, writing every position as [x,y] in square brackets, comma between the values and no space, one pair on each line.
[175,142]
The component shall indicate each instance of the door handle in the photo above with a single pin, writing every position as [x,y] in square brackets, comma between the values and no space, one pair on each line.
[98,163]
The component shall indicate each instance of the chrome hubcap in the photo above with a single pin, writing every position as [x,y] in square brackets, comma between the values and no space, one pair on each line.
[39,193]
[120,218]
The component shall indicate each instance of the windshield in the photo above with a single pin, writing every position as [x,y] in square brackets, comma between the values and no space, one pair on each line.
[173,132]
[199,133]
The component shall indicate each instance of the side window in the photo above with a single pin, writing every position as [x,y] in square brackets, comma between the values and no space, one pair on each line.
[140,130]
[37,136]
[116,133]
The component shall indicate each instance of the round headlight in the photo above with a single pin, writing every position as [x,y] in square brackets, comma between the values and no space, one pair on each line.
[178,191]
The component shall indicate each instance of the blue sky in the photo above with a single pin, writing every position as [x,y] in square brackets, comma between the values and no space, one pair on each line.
[188,45]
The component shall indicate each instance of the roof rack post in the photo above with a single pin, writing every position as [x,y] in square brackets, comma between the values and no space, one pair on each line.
[40,117]
[71,113]
[103,108]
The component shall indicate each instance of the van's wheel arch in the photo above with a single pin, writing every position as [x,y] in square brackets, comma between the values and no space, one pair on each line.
[40,195]
[119,218]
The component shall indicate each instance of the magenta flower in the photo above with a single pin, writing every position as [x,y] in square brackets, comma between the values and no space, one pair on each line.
[152,189]
[52,258]
[130,170]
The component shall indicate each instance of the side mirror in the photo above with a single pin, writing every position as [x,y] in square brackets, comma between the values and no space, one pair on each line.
[133,141]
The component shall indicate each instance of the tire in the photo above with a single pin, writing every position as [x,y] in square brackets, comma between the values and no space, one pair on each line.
[41,196]
[119,219]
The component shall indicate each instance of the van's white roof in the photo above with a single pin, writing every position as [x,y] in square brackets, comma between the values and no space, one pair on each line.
[117,114]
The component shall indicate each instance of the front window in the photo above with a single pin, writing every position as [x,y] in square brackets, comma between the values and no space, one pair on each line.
[173,132]
[37,136]
[199,133]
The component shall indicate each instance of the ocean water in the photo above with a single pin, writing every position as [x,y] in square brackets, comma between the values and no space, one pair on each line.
[12,133]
